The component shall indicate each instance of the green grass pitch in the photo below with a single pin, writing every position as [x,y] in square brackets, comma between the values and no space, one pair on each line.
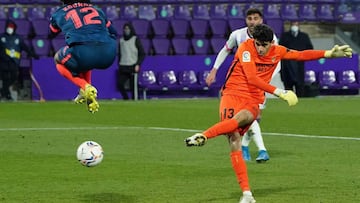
[314,152]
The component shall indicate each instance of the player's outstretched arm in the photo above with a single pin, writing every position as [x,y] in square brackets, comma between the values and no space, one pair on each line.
[339,51]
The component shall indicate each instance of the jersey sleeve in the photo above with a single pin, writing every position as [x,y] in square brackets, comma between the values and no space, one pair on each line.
[305,55]
[231,42]
[54,28]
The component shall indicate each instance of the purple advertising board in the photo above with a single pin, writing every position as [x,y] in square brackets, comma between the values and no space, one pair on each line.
[55,87]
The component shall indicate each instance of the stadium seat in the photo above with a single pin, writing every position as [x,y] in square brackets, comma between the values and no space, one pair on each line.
[201,46]
[165,11]
[218,11]
[199,27]
[307,12]
[182,11]
[3,13]
[289,12]
[2,24]
[6,1]
[24,1]
[328,80]
[217,43]
[310,77]
[141,27]
[118,24]
[160,27]
[40,27]
[181,46]
[341,10]
[128,12]
[41,46]
[277,25]
[325,12]
[168,80]
[180,27]
[236,11]
[24,27]
[148,81]
[146,12]
[202,75]
[235,24]
[200,11]
[218,27]
[146,43]
[17,13]
[271,11]
[50,10]
[348,79]
[161,46]
[37,12]
[188,80]
[111,11]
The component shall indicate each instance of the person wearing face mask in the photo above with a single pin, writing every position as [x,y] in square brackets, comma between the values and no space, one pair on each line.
[131,55]
[11,46]
[292,72]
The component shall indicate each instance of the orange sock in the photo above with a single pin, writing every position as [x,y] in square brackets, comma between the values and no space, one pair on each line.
[86,76]
[67,74]
[240,169]
[223,127]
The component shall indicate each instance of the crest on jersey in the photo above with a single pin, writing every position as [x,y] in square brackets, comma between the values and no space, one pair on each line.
[246,56]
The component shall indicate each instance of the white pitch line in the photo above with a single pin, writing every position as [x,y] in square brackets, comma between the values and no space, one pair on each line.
[171,129]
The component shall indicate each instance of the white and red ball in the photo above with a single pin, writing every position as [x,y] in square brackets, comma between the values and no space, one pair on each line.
[90,153]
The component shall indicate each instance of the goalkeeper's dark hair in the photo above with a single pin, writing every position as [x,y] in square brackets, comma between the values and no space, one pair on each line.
[263,33]
[251,11]
[68,2]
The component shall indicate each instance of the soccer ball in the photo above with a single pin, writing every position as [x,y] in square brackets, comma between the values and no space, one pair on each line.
[90,153]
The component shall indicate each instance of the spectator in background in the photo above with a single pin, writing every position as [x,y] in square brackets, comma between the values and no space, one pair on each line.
[292,72]
[11,46]
[131,55]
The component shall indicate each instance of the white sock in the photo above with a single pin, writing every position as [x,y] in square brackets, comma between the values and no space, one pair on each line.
[245,141]
[255,127]
[247,193]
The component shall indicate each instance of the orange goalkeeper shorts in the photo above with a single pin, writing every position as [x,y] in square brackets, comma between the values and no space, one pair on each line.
[231,105]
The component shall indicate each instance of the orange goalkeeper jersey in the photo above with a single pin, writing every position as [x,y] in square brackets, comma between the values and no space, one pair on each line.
[250,74]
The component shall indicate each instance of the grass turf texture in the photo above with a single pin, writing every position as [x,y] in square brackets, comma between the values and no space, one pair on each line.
[147,164]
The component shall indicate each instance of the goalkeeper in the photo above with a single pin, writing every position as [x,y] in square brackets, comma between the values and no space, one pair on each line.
[246,82]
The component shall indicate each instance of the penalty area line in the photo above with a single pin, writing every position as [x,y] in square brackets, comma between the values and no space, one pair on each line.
[171,129]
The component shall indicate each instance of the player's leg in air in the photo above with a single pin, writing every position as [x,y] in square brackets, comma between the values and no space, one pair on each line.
[80,98]
[68,66]
[233,125]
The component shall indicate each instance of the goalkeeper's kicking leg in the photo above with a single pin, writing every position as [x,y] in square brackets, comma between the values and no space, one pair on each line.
[233,126]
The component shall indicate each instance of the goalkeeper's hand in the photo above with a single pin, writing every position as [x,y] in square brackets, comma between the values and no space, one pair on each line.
[287,95]
[339,51]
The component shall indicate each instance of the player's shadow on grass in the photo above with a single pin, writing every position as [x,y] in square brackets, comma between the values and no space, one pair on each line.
[108,197]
